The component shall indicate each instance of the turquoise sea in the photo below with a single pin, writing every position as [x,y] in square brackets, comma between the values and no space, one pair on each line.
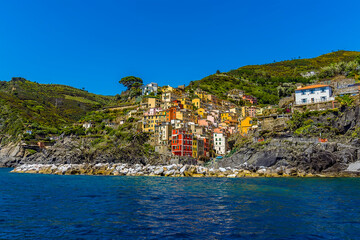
[104,207]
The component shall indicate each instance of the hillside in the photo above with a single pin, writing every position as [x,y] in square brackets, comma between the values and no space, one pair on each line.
[43,108]
[270,82]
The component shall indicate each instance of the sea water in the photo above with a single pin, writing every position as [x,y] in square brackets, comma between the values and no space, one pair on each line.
[34,206]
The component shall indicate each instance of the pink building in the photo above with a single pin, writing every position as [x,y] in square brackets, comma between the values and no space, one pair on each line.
[211,119]
[203,122]
[251,111]
[153,111]
[250,99]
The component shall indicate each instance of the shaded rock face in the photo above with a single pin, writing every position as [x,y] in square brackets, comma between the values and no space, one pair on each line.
[76,151]
[308,157]
[349,120]
[11,155]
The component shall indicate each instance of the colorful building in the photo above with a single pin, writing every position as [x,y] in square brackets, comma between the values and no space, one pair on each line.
[181,144]
[194,148]
[245,125]
[187,104]
[171,114]
[150,122]
[150,102]
[228,116]
[250,99]
[196,102]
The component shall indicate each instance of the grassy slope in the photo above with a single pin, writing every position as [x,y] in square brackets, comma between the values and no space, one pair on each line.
[23,103]
[263,81]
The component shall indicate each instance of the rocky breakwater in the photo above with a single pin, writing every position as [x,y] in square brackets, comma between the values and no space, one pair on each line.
[174,170]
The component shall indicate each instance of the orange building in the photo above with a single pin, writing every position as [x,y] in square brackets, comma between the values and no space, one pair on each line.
[171,114]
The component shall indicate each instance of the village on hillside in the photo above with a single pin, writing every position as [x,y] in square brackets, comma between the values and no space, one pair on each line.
[200,125]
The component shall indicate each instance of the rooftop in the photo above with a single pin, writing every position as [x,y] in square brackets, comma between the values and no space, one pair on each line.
[312,86]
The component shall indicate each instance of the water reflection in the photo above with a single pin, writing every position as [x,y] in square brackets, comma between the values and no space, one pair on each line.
[42,206]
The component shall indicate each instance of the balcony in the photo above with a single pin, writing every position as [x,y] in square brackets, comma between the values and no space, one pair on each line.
[314,101]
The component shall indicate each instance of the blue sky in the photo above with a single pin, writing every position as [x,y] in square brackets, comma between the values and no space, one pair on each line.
[93,44]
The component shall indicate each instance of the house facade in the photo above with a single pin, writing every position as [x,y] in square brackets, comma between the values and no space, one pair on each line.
[313,94]
[220,143]
[149,88]
[181,144]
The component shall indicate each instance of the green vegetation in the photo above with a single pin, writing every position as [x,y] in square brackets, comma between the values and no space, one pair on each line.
[133,85]
[270,82]
[80,99]
[43,109]
[314,123]
[345,100]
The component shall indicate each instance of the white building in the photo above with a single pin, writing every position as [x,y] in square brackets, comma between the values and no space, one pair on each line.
[313,94]
[149,88]
[87,125]
[220,143]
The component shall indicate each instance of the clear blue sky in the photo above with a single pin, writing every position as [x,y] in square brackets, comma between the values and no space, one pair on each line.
[93,44]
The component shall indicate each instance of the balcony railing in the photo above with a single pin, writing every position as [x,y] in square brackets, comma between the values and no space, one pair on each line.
[315,101]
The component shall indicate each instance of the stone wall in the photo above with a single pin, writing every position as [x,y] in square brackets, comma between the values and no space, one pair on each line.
[321,106]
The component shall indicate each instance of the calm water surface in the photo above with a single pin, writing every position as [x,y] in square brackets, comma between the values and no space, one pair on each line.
[99,207]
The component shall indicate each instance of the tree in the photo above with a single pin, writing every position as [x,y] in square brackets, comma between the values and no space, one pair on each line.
[131,81]
[358,59]
[218,72]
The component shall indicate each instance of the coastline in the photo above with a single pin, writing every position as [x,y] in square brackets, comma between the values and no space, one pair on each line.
[174,170]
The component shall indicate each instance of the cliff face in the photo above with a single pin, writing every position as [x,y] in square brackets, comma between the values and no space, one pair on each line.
[304,151]
[11,154]
[74,150]
[303,154]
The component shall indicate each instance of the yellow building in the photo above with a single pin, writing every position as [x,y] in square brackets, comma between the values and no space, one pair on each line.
[194,148]
[225,116]
[187,104]
[150,102]
[201,94]
[243,112]
[245,125]
[183,115]
[228,116]
[167,89]
[259,111]
[201,112]
[196,102]
[149,122]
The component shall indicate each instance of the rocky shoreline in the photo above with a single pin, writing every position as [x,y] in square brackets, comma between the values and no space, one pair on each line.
[174,170]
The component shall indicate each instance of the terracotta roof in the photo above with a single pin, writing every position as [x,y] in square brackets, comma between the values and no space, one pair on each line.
[217,130]
[312,86]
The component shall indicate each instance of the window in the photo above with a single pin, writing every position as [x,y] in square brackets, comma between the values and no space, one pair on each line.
[303,92]
[323,90]
[312,91]
[303,100]
[323,99]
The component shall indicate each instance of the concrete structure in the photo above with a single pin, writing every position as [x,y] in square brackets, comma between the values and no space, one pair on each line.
[313,94]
